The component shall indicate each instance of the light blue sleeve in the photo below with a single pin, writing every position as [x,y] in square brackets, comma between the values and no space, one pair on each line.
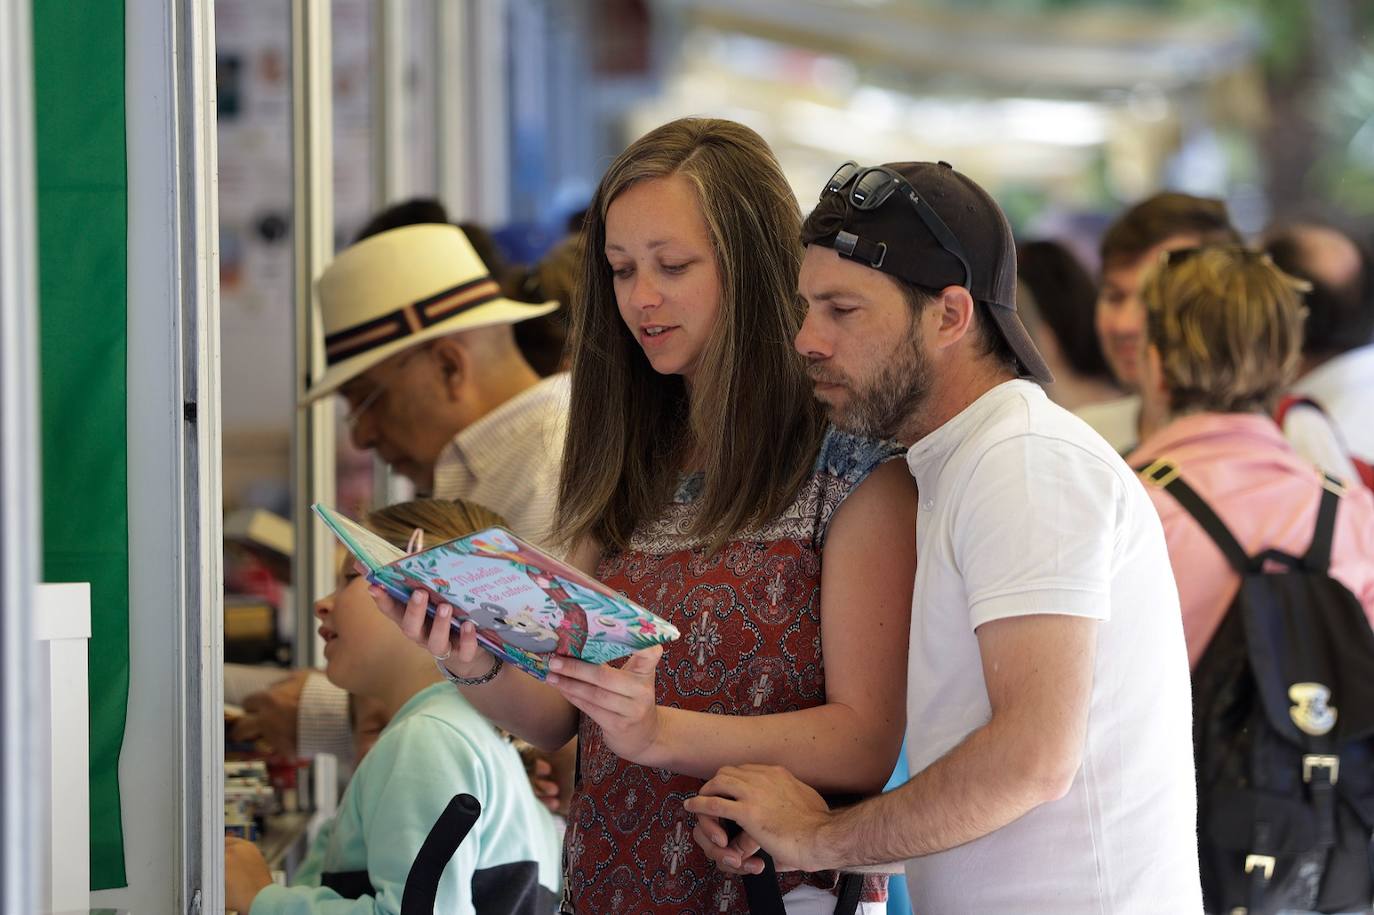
[404,785]
[308,873]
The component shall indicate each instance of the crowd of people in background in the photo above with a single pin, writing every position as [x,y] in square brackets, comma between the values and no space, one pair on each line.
[893,475]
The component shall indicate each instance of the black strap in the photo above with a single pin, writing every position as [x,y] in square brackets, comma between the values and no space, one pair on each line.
[861,249]
[1257,885]
[761,891]
[439,847]
[1165,474]
[348,884]
[1318,558]
[850,891]
[764,895]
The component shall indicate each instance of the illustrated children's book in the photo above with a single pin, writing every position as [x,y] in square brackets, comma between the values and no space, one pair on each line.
[526,605]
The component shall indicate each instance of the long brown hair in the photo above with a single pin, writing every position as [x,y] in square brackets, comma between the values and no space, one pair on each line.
[752,416]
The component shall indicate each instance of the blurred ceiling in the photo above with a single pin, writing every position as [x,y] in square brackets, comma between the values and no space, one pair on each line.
[1088,49]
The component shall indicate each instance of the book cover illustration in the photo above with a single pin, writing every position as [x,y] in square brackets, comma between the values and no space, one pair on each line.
[527,605]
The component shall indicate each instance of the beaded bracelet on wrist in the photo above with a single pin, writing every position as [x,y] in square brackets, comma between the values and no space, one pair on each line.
[487,677]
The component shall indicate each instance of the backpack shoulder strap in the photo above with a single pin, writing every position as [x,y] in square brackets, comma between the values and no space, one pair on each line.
[1289,401]
[1318,558]
[1164,474]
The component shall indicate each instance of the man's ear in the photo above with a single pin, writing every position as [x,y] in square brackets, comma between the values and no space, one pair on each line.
[951,315]
[454,363]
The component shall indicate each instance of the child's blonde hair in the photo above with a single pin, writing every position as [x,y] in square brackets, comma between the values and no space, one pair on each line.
[439,519]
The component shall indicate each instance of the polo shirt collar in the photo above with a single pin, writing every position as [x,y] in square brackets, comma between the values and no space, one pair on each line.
[487,443]
[1204,428]
[927,458]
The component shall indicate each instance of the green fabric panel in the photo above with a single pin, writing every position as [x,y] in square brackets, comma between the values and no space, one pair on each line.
[82,264]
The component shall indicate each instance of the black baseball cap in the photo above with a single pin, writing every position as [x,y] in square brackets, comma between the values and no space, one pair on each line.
[930,225]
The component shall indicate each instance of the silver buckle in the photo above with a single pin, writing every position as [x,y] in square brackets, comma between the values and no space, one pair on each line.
[882,255]
[1264,861]
[1330,763]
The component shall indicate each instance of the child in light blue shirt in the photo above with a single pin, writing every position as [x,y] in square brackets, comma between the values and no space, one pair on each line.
[435,746]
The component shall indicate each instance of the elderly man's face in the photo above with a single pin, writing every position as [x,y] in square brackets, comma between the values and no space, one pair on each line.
[397,409]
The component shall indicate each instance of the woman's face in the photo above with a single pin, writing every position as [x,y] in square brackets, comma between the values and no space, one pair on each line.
[360,645]
[664,272]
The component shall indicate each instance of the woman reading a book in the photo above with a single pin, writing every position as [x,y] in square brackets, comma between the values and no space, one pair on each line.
[434,746]
[700,478]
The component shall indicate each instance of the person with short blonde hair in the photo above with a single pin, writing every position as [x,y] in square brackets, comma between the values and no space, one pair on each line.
[1223,342]
[1227,325]
[1131,245]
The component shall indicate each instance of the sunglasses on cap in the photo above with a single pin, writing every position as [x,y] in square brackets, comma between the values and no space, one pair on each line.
[869,188]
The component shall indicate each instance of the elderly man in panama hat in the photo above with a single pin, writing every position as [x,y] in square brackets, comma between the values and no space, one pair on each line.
[419,340]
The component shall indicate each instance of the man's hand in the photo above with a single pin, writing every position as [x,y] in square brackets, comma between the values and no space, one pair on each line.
[777,812]
[620,700]
[271,714]
[245,874]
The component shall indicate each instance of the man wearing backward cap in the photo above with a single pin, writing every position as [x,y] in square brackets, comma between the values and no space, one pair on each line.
[1048,708]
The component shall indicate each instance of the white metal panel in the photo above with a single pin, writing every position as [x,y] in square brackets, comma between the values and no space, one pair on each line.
[487,84]
[453,149]
[201,549]
[312,440]
[391,179]
[62,623]
[473,119]
[22,702]
[171,775]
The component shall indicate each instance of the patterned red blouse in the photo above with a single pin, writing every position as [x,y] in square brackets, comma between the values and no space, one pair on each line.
[751,645]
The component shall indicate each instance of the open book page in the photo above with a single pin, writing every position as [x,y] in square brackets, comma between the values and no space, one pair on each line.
[371,550]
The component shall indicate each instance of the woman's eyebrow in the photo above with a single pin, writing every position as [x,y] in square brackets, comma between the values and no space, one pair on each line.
[656,243]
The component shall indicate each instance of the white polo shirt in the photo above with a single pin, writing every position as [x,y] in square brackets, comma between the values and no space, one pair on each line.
[1025,510]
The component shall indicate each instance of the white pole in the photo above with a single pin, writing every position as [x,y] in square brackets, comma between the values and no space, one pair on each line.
[489,115]
[390,164]
[391,171]
[22,703]
[62,624]
[452,111]
[312,443]
[171,766]
[201,541]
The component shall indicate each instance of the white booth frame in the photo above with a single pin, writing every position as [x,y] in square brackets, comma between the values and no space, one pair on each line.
[22,701]
[171,766]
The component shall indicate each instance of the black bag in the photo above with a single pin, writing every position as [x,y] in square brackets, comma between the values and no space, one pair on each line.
[1283,729]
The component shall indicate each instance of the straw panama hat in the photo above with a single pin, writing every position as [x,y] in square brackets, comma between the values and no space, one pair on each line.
[401,288]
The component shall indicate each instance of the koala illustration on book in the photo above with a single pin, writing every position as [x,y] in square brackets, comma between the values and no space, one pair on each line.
[528,632]
[523,629]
